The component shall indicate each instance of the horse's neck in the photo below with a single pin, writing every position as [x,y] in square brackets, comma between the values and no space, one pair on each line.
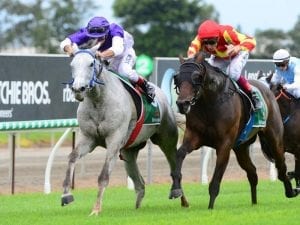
[212,102]
[285,106]
[112,82]
[100,92]
[216,86]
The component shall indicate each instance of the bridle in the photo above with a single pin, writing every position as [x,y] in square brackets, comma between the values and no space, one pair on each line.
[198,75]
[192,68]
[96,70]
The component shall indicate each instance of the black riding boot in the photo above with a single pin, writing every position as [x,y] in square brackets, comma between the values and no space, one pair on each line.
[148,89]
[255,100]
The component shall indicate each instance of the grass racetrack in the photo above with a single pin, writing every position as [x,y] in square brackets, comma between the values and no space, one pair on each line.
[232,207]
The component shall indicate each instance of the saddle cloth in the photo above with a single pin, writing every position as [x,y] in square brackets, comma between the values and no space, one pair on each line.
[147,113]
[256,121]
[260,115]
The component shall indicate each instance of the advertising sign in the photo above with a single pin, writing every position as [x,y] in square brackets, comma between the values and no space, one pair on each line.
[31,88]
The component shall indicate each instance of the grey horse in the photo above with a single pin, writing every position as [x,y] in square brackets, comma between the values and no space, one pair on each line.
[107,116]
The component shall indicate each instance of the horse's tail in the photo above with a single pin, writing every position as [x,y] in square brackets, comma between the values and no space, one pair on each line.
[266,148]
[180,120]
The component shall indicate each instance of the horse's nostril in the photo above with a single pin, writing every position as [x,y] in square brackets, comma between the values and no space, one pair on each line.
[82,89]
[182,102]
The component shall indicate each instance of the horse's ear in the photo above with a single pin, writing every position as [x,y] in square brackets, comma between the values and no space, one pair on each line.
[269,77]
[95,48]
[181,59]
[260,74]
[199,57]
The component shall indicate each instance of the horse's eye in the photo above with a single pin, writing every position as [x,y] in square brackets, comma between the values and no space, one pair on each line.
[92,64]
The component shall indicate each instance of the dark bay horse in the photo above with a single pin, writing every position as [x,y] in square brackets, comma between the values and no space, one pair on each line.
[290,112]
[107,116]
[215,116]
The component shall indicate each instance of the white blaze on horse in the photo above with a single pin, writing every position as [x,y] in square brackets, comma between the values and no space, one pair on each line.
[107,117]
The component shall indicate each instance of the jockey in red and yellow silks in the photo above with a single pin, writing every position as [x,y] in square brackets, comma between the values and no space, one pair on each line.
[227,35]
[229,51]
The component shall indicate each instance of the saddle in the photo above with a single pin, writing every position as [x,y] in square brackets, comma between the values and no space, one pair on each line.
[147,113]
[256,119]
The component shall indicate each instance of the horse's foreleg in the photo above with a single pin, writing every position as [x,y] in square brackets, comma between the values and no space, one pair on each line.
[176,189]
[67,196]
[244,160]
[221,164]
[103,179]
[130,160]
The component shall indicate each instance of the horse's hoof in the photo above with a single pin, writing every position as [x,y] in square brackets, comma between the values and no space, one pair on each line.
[293,194]
[66,199]
[139,199]
[176,193]
[184,202]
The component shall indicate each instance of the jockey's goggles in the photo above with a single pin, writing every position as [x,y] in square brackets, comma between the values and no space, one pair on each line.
[96,30]
[281,64]
[209,41]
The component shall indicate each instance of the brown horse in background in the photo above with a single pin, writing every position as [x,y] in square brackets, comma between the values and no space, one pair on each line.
[215,116]
[290,112]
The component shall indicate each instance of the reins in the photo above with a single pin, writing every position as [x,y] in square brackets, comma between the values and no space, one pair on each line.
[95,80]
[282,93]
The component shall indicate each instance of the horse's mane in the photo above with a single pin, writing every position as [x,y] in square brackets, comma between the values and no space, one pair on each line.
[201,55]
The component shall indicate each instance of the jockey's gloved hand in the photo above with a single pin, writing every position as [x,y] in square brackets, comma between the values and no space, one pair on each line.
[99,55]
[69,51]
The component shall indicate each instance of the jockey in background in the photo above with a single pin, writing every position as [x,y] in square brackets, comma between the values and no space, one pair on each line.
[287,72]
[116,46]
[229,51]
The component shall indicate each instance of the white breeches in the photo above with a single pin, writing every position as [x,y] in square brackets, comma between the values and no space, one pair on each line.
[233,67]
[295,92]
[124,63]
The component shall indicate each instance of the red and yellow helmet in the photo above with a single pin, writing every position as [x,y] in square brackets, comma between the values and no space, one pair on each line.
[208,29]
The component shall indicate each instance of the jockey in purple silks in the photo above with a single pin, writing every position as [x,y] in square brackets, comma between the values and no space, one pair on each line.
[116,46]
